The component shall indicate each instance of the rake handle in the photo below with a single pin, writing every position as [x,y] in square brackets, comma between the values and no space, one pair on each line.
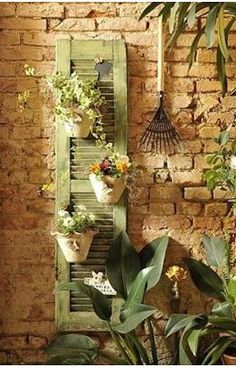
[160,57]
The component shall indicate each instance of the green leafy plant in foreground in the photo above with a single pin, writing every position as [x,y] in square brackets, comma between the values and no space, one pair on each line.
[221,323]
[131,274]
[213,20]
[222,173]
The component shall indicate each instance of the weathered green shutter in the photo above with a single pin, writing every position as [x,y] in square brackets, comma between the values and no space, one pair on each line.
[74,311]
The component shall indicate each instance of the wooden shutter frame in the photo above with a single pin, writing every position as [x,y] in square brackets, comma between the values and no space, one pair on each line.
[66,50]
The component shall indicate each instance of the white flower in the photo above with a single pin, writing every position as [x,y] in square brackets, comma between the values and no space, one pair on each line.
[124,158]
[63,213]
[82,207]
[92,217]
[68,221]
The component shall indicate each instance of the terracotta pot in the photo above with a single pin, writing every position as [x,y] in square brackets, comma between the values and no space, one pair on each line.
[228,359]
[107,189]
[80,129]
[75,247]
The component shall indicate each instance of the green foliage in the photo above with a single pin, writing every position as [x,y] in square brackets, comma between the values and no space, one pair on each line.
[75,97]
[223,316]
[131,274]
[219,21]
[78,222]
[221,174]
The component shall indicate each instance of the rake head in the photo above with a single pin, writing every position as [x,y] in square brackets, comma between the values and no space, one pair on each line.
[160,136]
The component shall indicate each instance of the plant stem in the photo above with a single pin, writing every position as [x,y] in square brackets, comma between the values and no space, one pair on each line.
[130,349]
[152,341]
[119,345]
[140,349]
[110,357]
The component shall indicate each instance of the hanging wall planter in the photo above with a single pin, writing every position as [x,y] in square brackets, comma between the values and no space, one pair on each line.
[108,177]
[107,189]
[75,247]
[74,233]
[79,127]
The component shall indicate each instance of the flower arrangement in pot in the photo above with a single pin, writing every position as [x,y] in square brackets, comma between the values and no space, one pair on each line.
[74,233]
[108,177]
[78,103]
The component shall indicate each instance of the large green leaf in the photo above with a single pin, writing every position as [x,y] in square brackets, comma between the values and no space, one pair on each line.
[217,349]
[70,359]
[215,249]
[149,9]
[205,279]
[154,255]
[139,286]
[121,271]
[193,48]
[71,346]
[177,322]
[210,25]
[101,304]
[192,15]
[223,309]
[133,317]
[224,323]
[232,288]
[221,34]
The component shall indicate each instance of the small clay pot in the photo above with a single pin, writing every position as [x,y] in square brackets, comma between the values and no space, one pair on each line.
[80,128]
[228,359]
[75,247]
[107,189]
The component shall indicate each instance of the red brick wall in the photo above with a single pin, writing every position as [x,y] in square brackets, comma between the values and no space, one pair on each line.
[182,207]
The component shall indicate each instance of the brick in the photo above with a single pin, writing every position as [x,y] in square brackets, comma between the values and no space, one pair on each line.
[187,132]
[26,132]
[189,209]
[187,177]
[183,85]
[165,193]
[13,342]
[42,10]
[156,161]
[200,162]
[37,342]
[229,102]
[200,71]
[91,10]
[166,222]
[206,222]
[216,209]
[181,102]
[7,70]
[209,132]
[177,55]
[186,40]
[179,162]
[22,53]
[210,146]
[21,23]
[162,209]
[222,194]
[206,56]
[9,38]
[3,358]
[223,117]
[76,25]
[7,10]
[125,24]
[131,9]
[207,86]
[39,176]
[140,38]
[197,194]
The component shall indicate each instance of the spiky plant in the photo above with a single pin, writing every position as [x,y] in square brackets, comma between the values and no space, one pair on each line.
[214,21]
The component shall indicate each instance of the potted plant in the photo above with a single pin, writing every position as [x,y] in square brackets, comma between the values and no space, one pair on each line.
[108,177]
[78,103]
[223,166]
[221,322]
[74,233]
[131,280]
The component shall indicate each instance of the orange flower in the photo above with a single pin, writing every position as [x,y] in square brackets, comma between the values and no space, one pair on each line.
[122,166]
[94,168]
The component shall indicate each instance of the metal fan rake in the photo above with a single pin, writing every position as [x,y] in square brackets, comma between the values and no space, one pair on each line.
[160,136]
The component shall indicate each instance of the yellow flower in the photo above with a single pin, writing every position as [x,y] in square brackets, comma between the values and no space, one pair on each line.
[94,168]
[122,166]
[176,273]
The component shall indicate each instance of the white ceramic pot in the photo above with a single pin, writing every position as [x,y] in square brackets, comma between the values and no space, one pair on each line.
[75,247]
[107,189]
[233,162]
[80,129]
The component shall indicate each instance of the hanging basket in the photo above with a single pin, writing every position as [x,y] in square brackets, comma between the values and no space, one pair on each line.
[80,129]
[75,247]
[107,189]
